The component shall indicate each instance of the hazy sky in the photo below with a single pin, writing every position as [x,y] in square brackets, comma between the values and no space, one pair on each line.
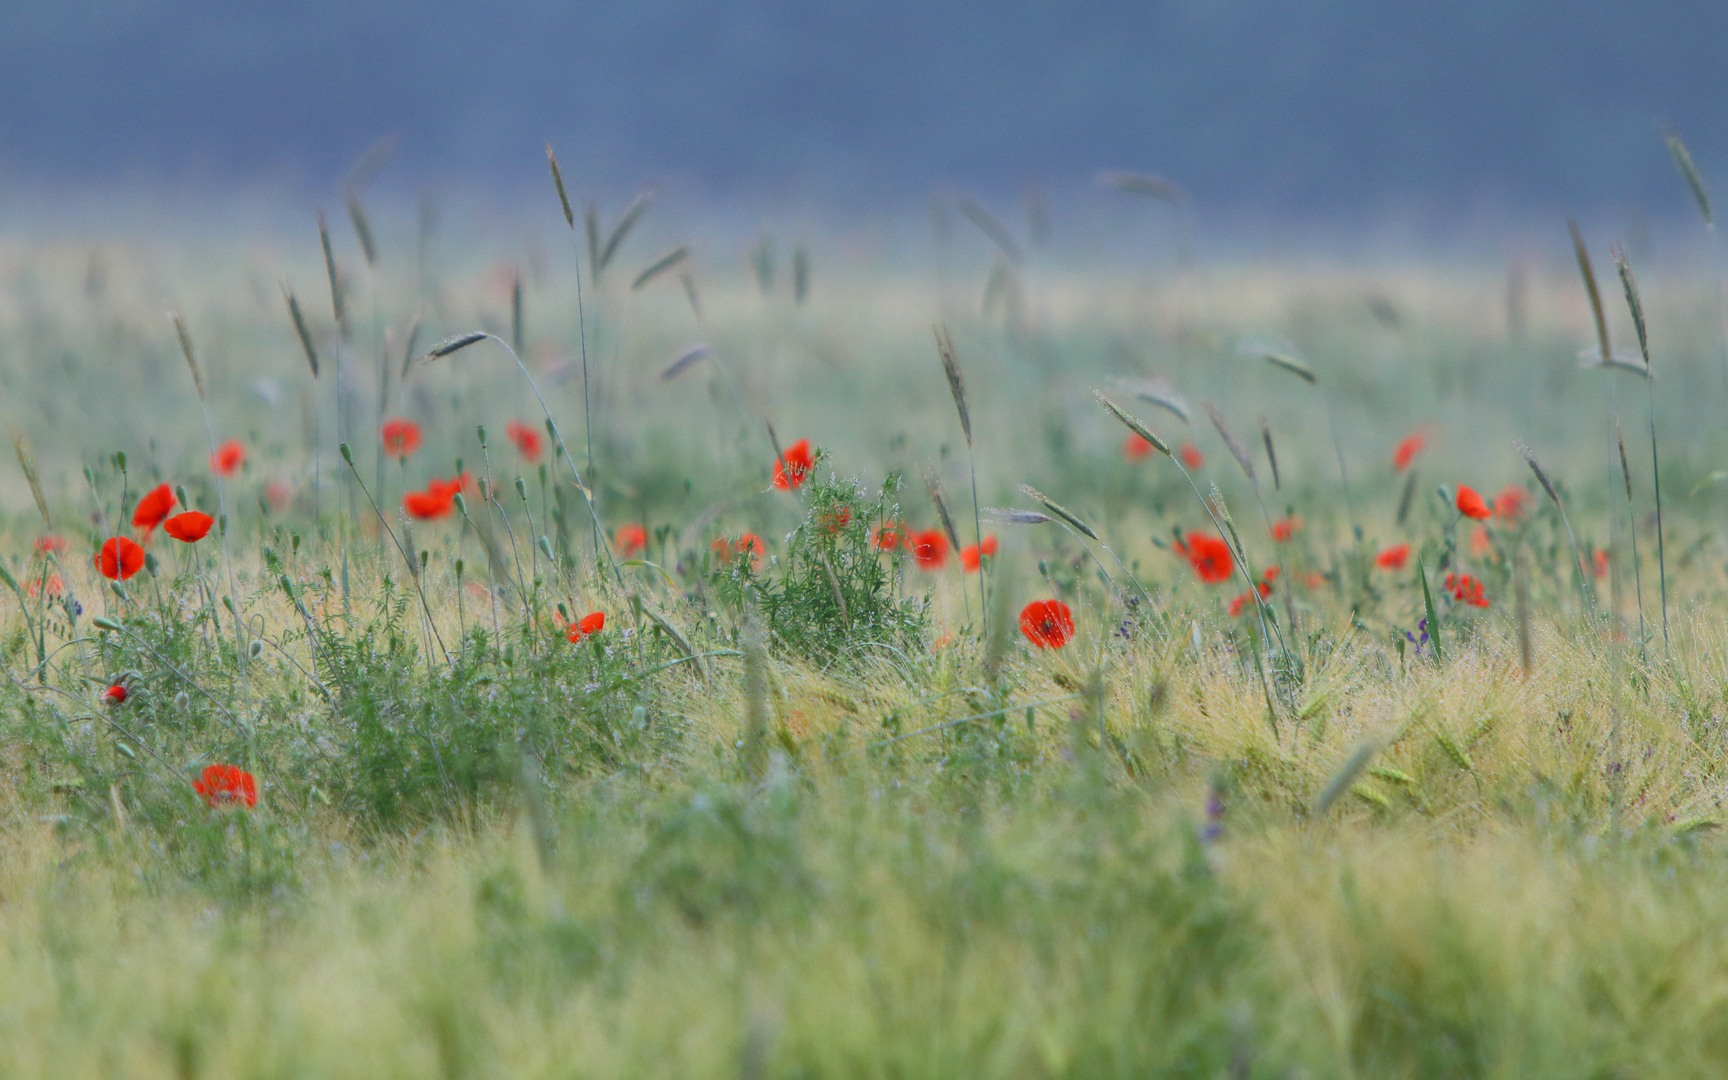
[1325,107]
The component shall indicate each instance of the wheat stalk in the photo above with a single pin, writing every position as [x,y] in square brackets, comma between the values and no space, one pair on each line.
[1630,285]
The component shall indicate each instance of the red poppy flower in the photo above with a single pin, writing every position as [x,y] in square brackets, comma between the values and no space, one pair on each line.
[969,555]
[891,537]
[49,543]
[798,463]
[1466,589]
[227,785]
[1407,451]
[1512,503]
[1208,555]
[631,540]
[1393,558]
[190,526]
[1599,563]
[1314,580]
[929,547]
[835,520]
[526,438]
[1047,624]
[1191,455]
[1480,543]
[401,437]
[1284,528]
[1134,448]
[724,548]
[228,458]
[451,487]
[1471,505]
[153,507]
[427,505]
[119,558]
[591,623]
[115,695]
[56,586]
[276,493]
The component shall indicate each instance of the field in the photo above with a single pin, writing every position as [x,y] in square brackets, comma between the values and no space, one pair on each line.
[1291,768]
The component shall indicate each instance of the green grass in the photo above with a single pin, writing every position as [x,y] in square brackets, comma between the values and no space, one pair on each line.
[483,849]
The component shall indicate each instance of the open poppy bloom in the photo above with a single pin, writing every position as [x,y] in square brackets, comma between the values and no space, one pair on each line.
[591,623]
[401,437]
[46,544]
[891,537]
[190,527]
[1208,555]
[428,505]
[115,695]
[1466,589]
[929,547]
[1191,455]
[54,583]
[1512,503]
[228,458]
[1407,451]
[526,438]
[970,554]
[227,785]
[437,500]
[119,558]
[1599,563]
[632,540]
[1393,558]
[1286,527]
[1471,504]
[1047,624]
[153,507]
[1134,448]
[790,471]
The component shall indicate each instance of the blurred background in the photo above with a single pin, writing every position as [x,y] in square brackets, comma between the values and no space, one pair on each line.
[1433,124]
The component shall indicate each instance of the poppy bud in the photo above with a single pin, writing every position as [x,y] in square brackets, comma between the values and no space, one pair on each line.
[116,694]
[120,460]
[347,455]
[458,567]
[461,504]
[481,431]
[522,488]
[255,649]
[180,495]
[546,548]
[228,602]
[104,623]
[182,702]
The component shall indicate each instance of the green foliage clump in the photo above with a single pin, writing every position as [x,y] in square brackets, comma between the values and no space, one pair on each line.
[833,592]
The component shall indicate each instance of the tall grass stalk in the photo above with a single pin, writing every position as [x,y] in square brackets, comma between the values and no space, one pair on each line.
[1701,195]
[1636,306]
[957,390]
[581,318]
[1238,556]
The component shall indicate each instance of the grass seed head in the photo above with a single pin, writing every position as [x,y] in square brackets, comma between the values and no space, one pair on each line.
[1132,424]
[956,384]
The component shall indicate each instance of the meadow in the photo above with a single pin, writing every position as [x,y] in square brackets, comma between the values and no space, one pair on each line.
[790,657]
